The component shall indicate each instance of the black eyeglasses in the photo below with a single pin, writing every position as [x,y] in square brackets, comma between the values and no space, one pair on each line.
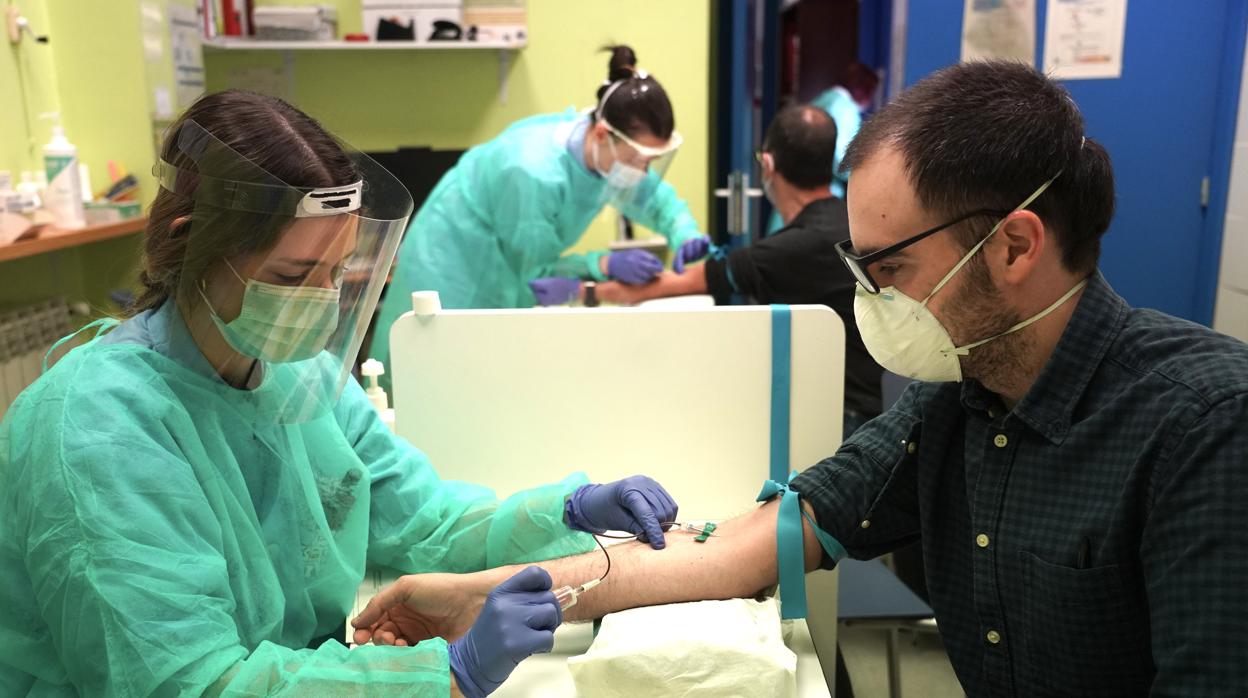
[858,264]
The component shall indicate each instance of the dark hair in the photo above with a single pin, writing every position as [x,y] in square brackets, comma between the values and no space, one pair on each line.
[802,142]
[275,138]
[639,105]
[986,135]
[860,81]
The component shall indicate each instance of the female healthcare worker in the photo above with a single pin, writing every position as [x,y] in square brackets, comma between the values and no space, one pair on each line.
[188,502]
[504,215]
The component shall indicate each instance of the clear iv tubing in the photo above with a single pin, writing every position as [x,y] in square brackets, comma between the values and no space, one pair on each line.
[567,596]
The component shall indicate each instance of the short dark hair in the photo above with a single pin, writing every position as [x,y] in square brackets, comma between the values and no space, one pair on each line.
[640,104]
[802,142]
[986,135]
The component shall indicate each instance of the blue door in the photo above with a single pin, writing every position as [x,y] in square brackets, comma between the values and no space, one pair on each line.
[1167,123]
[744,70]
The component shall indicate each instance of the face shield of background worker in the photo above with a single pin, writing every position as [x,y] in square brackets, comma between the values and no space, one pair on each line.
[798,264]
[190,500]
[507,212]
[1077,484]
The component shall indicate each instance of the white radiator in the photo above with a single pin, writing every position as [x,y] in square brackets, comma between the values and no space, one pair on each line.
[26,334]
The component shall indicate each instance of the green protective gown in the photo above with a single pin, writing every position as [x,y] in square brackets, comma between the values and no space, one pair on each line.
[505,214]
[156,540]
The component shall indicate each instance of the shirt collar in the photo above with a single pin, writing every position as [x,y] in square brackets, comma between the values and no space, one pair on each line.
[1049,404]
[815,212]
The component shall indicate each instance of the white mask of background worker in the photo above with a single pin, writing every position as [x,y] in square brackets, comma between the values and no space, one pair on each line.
[621,175]
[903,335]
[767,173]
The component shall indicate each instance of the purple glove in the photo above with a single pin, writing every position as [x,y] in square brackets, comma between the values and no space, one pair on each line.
[555,290]
[635,504]
[690,251]
[633,266]
[518,620]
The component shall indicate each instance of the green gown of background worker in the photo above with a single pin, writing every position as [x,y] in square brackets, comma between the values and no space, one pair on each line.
[505,214]
[157,538]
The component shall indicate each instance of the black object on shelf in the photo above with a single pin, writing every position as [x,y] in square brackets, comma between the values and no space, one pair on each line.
[444,30]
[390,30]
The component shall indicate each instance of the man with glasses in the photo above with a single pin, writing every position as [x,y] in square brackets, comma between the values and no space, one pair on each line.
[1076,469]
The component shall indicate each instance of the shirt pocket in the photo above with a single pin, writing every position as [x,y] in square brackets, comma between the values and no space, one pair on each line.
[1084,632]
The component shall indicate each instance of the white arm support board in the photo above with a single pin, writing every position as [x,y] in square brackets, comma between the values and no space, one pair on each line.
[515,398]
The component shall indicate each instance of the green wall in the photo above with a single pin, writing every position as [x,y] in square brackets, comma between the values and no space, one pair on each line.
[26,69]
[450,99]
[92,72]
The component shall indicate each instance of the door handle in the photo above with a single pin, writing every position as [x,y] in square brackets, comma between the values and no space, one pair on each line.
[738,192]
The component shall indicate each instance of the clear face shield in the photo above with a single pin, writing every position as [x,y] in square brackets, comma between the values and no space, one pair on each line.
[636,169]
[280,282]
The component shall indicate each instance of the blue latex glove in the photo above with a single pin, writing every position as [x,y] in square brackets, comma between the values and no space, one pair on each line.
[633,266]
[635,504]
[518,620]
[555,290]
[690,250]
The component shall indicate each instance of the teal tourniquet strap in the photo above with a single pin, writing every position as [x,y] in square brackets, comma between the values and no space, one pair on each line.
[101,326]
[790,546]
[789,542]
[781,379]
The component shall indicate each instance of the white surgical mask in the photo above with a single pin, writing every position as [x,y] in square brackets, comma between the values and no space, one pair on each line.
[280,324]
[621,176]
[903,335]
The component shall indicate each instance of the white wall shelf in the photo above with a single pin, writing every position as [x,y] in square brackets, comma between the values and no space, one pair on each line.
[238,44]
[505,50]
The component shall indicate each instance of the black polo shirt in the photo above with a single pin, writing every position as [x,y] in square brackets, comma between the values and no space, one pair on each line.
[798,264]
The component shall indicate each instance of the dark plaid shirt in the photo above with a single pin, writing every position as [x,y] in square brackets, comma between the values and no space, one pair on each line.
[1091,541]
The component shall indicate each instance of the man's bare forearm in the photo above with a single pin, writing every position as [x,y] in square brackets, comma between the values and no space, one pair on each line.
[667,284]
[738,561]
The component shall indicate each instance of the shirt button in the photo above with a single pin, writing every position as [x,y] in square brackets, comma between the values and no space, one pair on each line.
[866,523]
[992,414]
[993,636]
[1000,441]
[982,540]
[912,447]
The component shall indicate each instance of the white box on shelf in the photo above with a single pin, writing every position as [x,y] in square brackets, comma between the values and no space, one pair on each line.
[296,23]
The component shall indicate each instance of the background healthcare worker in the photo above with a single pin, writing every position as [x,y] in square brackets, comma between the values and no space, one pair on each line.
[507,211]
[188,502]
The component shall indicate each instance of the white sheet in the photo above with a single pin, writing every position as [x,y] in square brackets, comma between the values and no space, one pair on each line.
[693,650]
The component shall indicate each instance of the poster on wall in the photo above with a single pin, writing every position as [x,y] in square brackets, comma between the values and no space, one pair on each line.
[187,51]
[1084,38]
[999,30]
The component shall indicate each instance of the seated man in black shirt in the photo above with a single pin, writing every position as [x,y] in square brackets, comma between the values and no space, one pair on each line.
[796,264]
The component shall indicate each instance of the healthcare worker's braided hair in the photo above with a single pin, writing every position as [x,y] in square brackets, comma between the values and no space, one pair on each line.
[632,100]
